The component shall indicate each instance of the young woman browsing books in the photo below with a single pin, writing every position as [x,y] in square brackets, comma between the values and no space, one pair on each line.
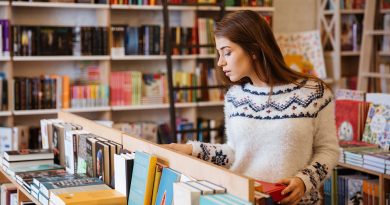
[280,124]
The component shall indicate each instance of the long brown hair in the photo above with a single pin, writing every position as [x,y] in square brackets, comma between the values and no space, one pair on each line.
[251,32]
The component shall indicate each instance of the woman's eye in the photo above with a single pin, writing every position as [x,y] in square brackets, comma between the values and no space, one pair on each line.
[227,54]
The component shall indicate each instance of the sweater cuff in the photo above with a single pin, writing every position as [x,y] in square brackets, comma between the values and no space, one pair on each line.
[306,180]
[196,149]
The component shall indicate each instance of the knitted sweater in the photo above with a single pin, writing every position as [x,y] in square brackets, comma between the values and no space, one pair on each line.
[292,133]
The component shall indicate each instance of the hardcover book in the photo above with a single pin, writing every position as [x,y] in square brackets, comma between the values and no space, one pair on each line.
[165,189]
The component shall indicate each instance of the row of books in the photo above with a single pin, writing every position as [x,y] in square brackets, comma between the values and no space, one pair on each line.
[361,119]
[9,195]
[71,1]
[352,4]
[351,32]
[3,92]
[85,155]
[51,92]
[203,77]
[5,48]
[148,39]
[49,40]
[20,137]
[264,3]
[203,130]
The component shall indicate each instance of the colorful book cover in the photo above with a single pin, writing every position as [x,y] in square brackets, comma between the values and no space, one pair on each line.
[347,94]
[165,189]
[377,129]
[101,197]
[348,123]
[141,187]
[17,170]
[303,52]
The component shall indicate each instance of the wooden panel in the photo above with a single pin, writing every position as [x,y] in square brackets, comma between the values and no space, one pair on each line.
[22,193]
[92,127]
[237,185]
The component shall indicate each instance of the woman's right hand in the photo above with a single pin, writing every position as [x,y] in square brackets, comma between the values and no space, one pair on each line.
[183,148]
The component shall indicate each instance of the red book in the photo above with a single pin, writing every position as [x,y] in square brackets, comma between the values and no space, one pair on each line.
[350,119]
[272,189]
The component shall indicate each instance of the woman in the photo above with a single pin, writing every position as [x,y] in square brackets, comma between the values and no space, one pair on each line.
[280,124]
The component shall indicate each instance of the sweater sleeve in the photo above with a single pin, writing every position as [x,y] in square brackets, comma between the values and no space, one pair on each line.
[219,154]
[325,148]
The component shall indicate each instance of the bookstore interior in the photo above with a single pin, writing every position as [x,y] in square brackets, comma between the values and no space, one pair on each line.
[97,98]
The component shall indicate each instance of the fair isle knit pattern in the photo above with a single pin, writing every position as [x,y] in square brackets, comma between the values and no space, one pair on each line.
[270,137]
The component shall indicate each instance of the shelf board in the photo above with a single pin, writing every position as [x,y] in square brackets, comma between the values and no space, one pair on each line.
[386,176]
[210,104]
[89,109]
[136,7]
[60,5]
[5,113]
[385,11]
[328,80]
[196,56]
[253,8]
[60,58]
[384,53]
[350,53]
[139,57]
[5,58]
[4,3]
[186,105]
[352,11]
[361,169]
[19,187]
[328,12]
[140,107]
[35,112]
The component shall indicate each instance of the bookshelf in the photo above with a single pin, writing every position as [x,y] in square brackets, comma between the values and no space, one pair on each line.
[382,180]
[341,59]
[60,5]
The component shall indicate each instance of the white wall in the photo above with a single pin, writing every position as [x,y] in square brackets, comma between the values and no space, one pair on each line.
[295,15]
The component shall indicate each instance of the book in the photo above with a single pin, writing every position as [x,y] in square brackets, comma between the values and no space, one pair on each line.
[5,139]
[46,188]
[101,197]
[303,52]
[142,179]
[18,170]
[157,177]
[123,172]
[272,189]
[184,193]
[26,163]
[350,119]
[165,189]
[28,154]
[376,127]
[103,161]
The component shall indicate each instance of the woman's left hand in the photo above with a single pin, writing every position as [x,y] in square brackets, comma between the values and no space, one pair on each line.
[295,190]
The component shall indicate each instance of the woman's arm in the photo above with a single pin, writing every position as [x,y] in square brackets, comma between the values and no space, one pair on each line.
[219,154]
[325,149]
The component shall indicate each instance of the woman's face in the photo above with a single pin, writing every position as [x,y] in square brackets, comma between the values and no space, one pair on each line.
[234,61]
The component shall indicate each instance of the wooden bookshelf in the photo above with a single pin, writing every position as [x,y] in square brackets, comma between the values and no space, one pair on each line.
[34,112]
[5,113]
[60,58]
[210,103]
[5,58]
[59,5]
[360,169]
[235,184]
[23,194]
[4,3]
[139,57]
[352,11]
[350,53]
[140,107]
[88,109]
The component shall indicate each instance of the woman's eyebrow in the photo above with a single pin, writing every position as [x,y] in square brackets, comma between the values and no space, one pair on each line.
[223,47]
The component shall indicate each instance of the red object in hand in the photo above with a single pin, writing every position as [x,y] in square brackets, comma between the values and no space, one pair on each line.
[272,189]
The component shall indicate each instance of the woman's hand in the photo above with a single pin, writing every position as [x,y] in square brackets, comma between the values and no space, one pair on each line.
[295,190]
[183,148]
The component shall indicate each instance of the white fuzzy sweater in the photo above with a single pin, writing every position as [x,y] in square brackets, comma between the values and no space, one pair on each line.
[291,134]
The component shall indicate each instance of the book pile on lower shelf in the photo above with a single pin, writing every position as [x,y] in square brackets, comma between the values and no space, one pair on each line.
[89,168]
